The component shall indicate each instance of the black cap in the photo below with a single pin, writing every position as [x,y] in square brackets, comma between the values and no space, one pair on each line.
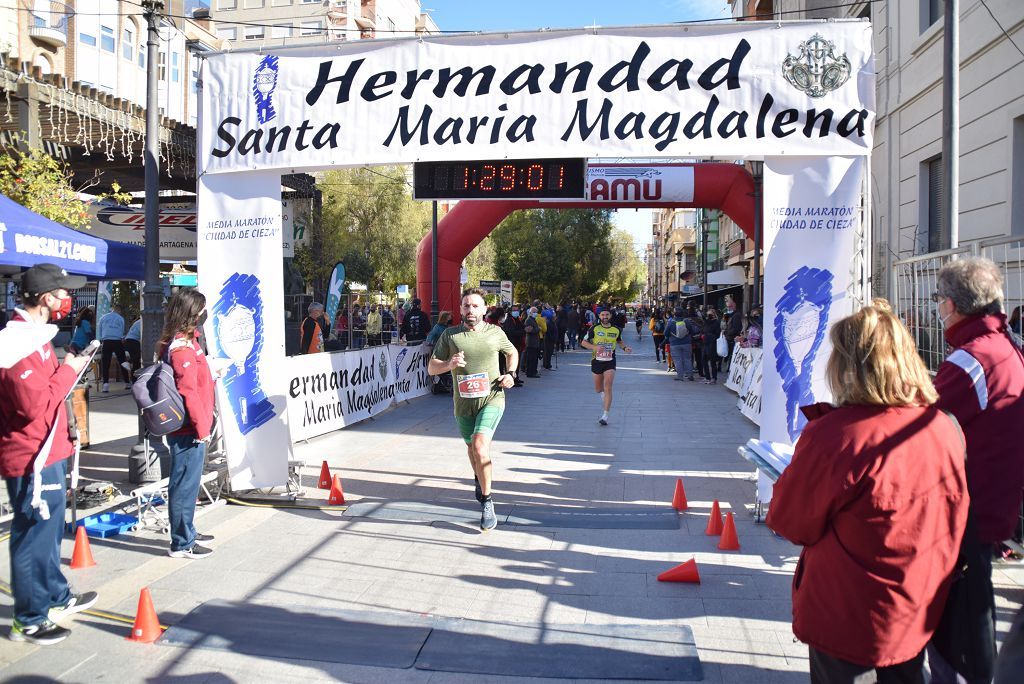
[48,278]
[416,302]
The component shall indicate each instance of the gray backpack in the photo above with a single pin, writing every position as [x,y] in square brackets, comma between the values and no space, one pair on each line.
[158,399]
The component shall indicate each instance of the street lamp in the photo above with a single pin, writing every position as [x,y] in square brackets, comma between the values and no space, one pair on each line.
[705,222]
[757,171]
[679,271]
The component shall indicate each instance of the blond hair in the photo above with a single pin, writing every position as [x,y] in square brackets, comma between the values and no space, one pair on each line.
[874,361]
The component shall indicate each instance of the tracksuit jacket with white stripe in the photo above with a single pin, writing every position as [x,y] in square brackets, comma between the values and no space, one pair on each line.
[982,384]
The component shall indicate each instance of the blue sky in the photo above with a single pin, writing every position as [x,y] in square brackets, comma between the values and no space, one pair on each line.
[525,15]
[488,15]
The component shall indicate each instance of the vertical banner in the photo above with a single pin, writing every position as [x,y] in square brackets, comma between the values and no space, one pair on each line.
[811,213]
[410,364]
[104,298]
[239,250]
[334,292]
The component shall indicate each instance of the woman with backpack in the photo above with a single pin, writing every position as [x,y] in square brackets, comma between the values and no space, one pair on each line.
[658,332]
[183,318]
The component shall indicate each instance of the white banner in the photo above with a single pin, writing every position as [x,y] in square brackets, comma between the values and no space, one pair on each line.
[241,276]
[744,359]
[812,208]
[410,365]
[749,402]
[327,392]
[177,228]
[730,89]
[649,183]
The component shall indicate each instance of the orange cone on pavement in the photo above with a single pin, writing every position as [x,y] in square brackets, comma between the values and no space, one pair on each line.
[714,527]
[81,557]
[337,496]
[729,540]
[325,477]
[146,629]
[686,572]
[679,498]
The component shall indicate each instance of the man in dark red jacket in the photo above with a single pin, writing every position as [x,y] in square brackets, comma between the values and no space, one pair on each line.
[34,447]
[982,384]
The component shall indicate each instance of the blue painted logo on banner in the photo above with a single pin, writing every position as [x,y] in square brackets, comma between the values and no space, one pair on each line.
[334,291]
[238,335]
[800,321]
[264,81]
[398,362]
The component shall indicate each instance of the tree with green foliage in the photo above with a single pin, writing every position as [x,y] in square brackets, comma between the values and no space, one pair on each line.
[371,223]
[39,182]
[628,273]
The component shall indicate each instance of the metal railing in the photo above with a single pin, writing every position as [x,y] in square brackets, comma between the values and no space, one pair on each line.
[349,331]
[914,281]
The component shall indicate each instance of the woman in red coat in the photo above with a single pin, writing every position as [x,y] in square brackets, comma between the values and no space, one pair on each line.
[877,496]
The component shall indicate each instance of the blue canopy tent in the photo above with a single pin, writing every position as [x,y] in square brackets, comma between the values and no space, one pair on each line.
[27,239]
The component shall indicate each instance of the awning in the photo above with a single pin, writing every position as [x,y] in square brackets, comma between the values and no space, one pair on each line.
[733,275]
[27,239]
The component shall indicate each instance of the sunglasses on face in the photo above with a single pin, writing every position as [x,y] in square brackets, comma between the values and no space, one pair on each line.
[936,297]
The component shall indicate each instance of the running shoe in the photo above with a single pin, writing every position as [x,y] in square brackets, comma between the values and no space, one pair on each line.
[204,537]
[196,551]
[488,521]
[76,604]
[43,634]
[604,419]
[105,387]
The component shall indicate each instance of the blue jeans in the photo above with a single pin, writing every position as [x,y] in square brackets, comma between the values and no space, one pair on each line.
[682,357]
[188,456]
[36,579]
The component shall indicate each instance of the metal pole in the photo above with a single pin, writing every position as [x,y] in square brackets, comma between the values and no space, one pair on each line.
[435,305]
[152,314]
[705,222]
[951,125]
[755,298]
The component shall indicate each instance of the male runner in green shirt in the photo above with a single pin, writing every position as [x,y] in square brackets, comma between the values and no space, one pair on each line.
[469,351]
[601,339]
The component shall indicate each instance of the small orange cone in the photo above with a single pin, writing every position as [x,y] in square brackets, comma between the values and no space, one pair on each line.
[81,557]
[337,496]
[686,572]
[714,527]
[146,629]
[325,477]
[679,498]
[729,540]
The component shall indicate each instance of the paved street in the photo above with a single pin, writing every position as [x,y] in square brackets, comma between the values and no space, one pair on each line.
[549,451]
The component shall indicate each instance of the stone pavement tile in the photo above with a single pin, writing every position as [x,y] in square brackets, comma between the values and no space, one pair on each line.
[720,610]
[717,586]
[745,669]
[660,610]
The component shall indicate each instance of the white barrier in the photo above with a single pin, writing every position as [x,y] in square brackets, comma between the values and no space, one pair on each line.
[329,391]
[745,379]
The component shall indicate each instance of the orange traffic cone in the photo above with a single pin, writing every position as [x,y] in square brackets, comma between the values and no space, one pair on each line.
[81,557]
[729,540]
[679,498]
[686,572]
[325,477]
[146,629]
[714,527]
[337,496]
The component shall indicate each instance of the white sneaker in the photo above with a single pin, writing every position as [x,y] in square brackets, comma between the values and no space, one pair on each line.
[127,366]
[105,387]
[604,419]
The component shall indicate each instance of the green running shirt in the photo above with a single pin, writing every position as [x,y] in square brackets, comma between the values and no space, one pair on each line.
[605,340]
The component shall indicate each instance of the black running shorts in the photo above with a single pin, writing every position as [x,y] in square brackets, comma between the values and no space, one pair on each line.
[599,367]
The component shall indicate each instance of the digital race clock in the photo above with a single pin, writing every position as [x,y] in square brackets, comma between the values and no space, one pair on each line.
[500,179]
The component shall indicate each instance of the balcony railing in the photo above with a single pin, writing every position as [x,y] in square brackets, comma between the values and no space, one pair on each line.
[52,27]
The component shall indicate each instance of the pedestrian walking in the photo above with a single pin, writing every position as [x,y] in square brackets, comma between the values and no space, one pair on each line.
[572,326]
[532,327]
[515,331]
[133,347]
[712,329]
[657,326]
[981,383]
[602,340]
[679,336]
[876,493]
[35,444]
[110,333]
[179,342]
[469,351]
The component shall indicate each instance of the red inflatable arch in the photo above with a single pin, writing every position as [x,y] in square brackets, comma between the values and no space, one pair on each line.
[728,187]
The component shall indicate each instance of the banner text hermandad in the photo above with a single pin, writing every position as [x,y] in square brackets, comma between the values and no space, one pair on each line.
[715,90]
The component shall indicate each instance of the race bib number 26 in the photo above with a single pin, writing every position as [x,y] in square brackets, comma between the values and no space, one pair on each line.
[475,386]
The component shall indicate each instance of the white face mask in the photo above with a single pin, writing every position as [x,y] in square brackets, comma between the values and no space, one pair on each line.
[938,314]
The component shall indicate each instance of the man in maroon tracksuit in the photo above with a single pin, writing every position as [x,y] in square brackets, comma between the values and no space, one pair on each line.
[34,447]
[982,384]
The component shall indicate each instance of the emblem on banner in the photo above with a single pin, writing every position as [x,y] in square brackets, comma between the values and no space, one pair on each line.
[398,362]
[816,70]
[382,366]
[264,81]
[800,321]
